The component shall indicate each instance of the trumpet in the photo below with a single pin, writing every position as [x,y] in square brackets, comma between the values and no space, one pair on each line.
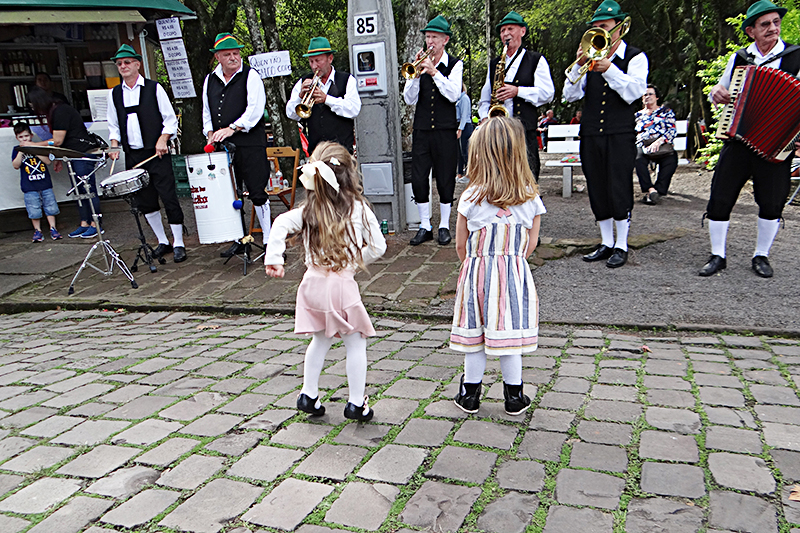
[596,44]
[411,70]
[497,108]
[304,107]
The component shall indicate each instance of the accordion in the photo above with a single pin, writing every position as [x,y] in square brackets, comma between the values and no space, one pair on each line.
[764,112]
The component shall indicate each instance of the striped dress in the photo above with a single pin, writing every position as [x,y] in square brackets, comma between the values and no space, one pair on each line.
[496,307]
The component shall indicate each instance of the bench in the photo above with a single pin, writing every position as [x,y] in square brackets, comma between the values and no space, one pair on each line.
[563,139]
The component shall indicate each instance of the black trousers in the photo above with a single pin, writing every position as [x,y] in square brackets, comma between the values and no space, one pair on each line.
[251,167]
[737,164]
[666,168]
[463,145]
[162,184]
[532,144]
[607,162]
[437,150]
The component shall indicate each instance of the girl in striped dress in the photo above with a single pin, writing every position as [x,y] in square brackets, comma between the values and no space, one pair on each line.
[496,308]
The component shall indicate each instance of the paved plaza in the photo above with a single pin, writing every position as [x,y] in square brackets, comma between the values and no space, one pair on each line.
[172,421]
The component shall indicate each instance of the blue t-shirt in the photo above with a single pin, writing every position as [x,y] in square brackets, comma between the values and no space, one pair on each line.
[33,174]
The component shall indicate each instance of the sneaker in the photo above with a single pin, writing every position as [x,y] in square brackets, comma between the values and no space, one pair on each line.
[462,179]
[361,413]
[37,236]
[78,232]
[54,234]
[90,232]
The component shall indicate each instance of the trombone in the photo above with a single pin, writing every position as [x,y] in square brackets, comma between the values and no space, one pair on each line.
[411,70]
[303,109]
[596,44]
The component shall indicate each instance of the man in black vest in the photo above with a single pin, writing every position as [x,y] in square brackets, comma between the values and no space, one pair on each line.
[141,119]
[336,100]
[738,163]
[233,111]
[527,83]
[435,91]
[608,140]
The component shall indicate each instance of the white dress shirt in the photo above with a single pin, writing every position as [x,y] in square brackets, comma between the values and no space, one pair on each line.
[256,101]
[541,93]
[629,85]
[449,86]
[760,60]
[130,97]
[348,106]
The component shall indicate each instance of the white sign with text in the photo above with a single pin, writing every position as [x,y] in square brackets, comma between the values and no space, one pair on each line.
[169,28]
[174,50]
[183,88]
[271,64]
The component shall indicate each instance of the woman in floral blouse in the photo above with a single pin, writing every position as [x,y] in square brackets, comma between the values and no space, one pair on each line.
[655,131]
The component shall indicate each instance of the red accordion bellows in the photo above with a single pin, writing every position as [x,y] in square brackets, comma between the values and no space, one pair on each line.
[764,112]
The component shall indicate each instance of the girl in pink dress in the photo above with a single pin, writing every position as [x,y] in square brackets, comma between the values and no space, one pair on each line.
[341,235]
[496,307]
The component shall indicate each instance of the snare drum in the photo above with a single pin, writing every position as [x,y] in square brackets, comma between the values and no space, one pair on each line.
[212,197]
[125,183]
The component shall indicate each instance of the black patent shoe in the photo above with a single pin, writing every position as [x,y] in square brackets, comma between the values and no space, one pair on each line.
[516,402]
[361,413]
[179,254]
[423,235]
[762,267]
[470,401]
[602,252]
[161,250]
[618,258]
[235,249]
[307,405]
[444,236]
[714,265]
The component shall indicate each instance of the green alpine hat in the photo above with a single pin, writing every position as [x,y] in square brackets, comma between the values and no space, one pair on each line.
[225,41]
[126,50]
[513,18]
[438,24]
[609,9]
[318,46]
[762,7]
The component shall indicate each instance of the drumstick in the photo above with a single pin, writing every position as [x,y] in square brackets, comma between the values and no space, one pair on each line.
[145,161]
[113,162]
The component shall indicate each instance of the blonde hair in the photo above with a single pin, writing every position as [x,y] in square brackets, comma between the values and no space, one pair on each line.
[498,164]
[327,232]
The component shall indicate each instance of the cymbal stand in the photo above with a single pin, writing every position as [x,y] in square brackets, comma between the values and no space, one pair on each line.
[110,256]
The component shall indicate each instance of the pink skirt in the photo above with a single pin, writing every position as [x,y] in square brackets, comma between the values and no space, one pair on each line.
[331,302]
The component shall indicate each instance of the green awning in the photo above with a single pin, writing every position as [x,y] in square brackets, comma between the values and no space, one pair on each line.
[165,6]
[69,16]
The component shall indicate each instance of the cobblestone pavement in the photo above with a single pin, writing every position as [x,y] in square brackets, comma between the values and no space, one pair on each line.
[165,422]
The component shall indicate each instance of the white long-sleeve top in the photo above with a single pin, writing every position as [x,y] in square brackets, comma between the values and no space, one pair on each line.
[256,100]
[629,85]
[759,59]
[449,86]
[130,97]
[348,106]
[541,93]
[369,237]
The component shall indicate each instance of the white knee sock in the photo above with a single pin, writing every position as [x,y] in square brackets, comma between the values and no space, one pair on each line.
[425,215]
[444,209]
[474,366]
[315,360]
[718,231]
[767,230]
[262,212]
[622,234]
[607,231]
[511,366]
[154,219]
[177,234]
[356,367]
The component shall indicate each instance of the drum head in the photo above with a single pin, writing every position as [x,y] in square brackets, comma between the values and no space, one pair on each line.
[122,177]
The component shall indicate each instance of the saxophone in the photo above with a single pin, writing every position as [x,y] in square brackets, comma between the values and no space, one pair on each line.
[497,109]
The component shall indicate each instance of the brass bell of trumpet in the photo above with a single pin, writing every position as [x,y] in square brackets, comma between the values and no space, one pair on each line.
[411,70]
[303,109]
[596,44]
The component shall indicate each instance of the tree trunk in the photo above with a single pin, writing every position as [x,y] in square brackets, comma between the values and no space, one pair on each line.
[416,15]
[284,130]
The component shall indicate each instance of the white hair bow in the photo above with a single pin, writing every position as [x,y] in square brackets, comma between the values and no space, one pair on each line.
[326,173]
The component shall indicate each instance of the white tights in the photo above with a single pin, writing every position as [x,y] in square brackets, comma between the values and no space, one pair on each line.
[475,365]
[356,347]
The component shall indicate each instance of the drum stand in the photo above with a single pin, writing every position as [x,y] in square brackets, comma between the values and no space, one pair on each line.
[145,253]
[247,242]
[110,256]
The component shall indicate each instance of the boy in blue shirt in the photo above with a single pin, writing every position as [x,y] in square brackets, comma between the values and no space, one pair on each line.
[36,185]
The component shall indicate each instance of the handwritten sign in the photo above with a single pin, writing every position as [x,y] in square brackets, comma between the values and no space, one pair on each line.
[169,28]
[179,70]
[183,88]
[272,64]
[174,50]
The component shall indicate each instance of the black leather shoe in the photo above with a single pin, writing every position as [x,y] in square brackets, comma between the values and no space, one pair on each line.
[470,401]
[618,258]
[654,197]
[516,402]
[714,265]
[179,254]
[647,201]
[162,249]
[423,235]
[761,266]
[602,252]
[362,413]
[307,405]
[235,249]
[444,236]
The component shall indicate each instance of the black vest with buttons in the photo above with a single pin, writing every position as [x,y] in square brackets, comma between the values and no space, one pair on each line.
[525,111]
[790,63]
[324,124]
[434,111]
[150,121]
[227,103]
[605,112]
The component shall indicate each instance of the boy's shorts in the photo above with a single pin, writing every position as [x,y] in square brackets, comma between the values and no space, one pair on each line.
[36,200]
